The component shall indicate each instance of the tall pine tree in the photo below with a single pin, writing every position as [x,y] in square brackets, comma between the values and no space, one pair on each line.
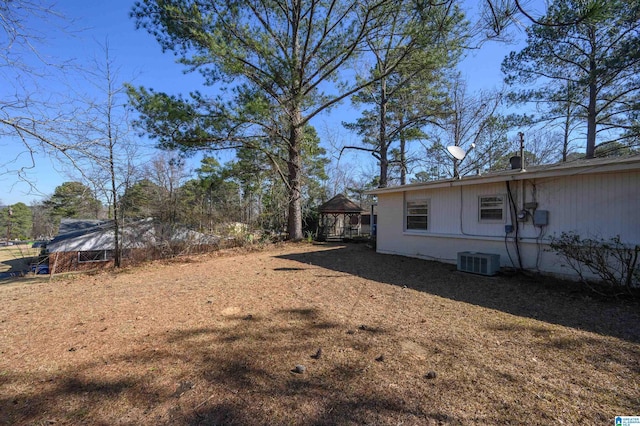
[597,57]
[280,62]
[408,96]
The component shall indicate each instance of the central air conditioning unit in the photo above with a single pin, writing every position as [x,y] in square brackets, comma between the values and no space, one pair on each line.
[478,263]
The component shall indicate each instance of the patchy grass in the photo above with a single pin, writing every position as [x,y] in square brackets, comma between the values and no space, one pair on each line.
[16,257]
[403,341]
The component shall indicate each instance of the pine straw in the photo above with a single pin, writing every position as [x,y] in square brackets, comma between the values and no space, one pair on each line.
[215,341]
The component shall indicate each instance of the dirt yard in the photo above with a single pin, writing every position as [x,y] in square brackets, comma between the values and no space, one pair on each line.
[375,339]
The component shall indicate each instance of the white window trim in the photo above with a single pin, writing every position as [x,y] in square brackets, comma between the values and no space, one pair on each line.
[504,208]
[406,215]
[105,256]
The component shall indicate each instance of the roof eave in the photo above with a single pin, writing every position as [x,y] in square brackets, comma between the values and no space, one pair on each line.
[515,175]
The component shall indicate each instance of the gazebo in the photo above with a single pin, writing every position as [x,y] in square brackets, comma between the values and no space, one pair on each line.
[339,219]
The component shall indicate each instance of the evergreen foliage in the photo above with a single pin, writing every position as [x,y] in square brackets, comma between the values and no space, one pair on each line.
[585,71]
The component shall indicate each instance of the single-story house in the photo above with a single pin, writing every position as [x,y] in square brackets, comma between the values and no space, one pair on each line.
[87,245]
[507,217]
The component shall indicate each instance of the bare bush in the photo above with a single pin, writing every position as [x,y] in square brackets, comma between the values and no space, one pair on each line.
[614,262]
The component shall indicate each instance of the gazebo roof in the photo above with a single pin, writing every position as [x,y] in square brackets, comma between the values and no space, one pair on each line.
[340,204]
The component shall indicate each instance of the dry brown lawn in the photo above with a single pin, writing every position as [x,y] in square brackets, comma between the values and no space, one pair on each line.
[214,339]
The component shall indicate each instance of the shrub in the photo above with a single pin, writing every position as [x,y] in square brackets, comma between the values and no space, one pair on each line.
[613,261]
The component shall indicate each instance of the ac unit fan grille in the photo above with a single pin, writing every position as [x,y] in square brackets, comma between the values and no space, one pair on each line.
[479,263]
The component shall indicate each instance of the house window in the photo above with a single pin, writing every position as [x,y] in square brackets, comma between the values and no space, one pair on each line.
[417,215]
[491,208]
[95,256]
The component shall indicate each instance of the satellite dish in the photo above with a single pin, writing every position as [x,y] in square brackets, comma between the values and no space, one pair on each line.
[457,152]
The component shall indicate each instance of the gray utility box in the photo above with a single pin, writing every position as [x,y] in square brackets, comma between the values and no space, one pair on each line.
[541,217]
[478,263]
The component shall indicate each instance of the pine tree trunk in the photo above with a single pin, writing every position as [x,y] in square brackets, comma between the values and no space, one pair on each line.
[593,96]
[591,122]
[294,221]
[567,124]
[382,135]
[403,158]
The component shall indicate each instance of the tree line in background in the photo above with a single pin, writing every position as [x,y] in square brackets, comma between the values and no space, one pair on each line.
[270,67]
[214,196]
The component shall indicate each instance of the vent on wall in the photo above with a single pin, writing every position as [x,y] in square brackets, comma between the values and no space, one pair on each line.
[478,263]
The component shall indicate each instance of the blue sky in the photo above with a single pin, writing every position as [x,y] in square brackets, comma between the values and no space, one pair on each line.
[141,61]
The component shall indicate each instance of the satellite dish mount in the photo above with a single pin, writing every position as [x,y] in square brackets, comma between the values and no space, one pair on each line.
[459,154]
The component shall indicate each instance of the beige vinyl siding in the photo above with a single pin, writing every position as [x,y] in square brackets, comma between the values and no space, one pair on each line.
[592,205]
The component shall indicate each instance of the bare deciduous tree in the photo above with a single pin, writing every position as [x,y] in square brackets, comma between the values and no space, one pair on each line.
[473,121]
[36,115]
[107,155]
